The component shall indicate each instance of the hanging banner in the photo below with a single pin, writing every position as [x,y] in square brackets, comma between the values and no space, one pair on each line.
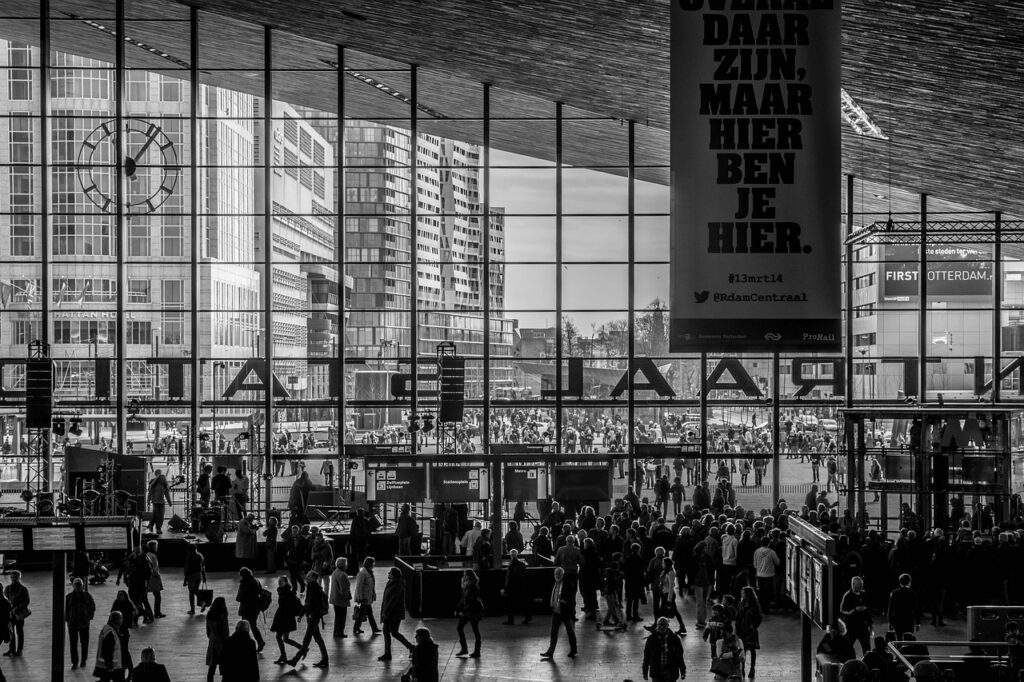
[756,175]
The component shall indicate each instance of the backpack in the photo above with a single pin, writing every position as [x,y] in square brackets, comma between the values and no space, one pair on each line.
[265,599]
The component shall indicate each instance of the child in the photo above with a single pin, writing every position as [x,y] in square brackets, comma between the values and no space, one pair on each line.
[716,627]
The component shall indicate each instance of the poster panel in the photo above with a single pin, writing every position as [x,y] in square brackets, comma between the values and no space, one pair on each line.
[756,176]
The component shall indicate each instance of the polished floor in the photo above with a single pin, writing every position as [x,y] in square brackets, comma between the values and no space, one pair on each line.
[509,653]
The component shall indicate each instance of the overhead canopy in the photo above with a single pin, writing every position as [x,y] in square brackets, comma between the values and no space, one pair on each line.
[939,78]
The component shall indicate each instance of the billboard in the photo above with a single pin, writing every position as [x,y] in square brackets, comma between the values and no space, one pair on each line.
[582,483]
[953,271]
[755,176]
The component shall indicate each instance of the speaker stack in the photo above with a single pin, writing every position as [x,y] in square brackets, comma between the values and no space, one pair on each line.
[453,388]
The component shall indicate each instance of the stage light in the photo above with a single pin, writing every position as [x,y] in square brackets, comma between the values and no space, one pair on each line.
[76,426]
[414,423]
[428,423]
[58,426]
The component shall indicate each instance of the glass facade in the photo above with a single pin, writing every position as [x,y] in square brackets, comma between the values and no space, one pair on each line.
[258,253]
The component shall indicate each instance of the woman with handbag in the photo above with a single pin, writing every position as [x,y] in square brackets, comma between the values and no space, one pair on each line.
[668,595]
[727,666]
[470,610]
[17,594]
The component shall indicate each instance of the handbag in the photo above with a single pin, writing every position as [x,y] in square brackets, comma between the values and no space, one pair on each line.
[204,596]
[721,667]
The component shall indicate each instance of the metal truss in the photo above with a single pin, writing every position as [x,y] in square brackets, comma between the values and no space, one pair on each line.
[938,232]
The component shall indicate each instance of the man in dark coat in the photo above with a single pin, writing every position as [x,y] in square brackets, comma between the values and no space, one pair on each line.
[392,611]
[563,613]
[515,588]
[663,655]
[239,662]
[314,611]
[902,611]
[79,610]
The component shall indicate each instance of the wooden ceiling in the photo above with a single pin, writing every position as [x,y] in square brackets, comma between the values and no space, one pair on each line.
[943,79]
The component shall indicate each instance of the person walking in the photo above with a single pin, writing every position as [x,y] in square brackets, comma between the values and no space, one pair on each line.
[563,614]
[148,670]
[289,608]
[314,610]
[748,620]
[365,594]
[340,595]
[18,595]
[515,589]
[854,609]
[703,581]
[321,555]
[159,498]
[766,562]
[635,580]
[250,593]
[245,539]
[470,610]
[404,530]
[79,610]
[663,654]
[668,595]
[392,611]
[239,662]
[217,633]
[902,611]
[195,575]
[728,664]
[136,571]
[156,583]
[109,666]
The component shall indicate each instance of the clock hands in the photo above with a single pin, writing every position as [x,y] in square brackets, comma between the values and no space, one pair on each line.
[131,163]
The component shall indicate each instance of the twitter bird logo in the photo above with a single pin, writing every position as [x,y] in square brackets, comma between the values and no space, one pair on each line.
[701,296]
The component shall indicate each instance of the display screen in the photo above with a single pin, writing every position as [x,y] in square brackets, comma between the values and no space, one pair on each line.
[396,484]
[106,538]
[583,483]
[458,484]
[54,539]
[12,539]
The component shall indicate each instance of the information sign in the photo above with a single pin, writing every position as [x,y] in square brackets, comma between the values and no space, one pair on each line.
[102,538]
[396,484]
[53,539]
[522,448]
[12,539]
[458,483]
[525,483]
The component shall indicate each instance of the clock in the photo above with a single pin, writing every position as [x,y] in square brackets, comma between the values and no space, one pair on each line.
[150,166]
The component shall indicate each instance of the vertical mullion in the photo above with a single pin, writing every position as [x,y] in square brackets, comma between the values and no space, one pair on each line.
[997,306]
[338,348]
[848,398]
[558,277]
[485,434]
[413,251]
[196,233]
[631,292]
[922,332]
[120,194]
[268,273]
[44,168]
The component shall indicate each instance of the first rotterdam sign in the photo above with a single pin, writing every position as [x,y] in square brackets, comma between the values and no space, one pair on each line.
[755,175]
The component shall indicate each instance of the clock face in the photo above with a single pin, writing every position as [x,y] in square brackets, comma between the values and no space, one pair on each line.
[150,166]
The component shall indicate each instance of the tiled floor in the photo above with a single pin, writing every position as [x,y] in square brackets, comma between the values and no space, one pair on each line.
[509,653]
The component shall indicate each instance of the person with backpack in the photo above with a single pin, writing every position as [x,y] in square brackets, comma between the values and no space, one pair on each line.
[289,608]
[253,599]
[314,609]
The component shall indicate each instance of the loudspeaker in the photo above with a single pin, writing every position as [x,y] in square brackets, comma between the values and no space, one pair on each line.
[102,377]
[178,524]
[453,388]
[175,382]
[44,504]
[39,393]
